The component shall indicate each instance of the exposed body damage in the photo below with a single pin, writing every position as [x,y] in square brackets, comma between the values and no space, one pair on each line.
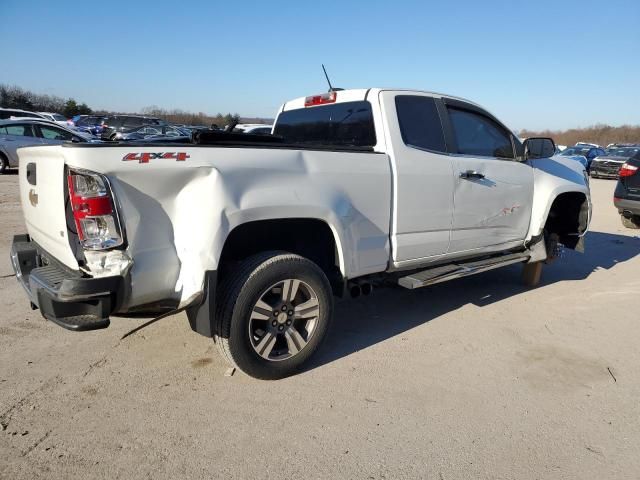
[265,231]
[177,216]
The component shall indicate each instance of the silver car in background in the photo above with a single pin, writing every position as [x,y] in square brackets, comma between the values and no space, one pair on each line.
[25,133]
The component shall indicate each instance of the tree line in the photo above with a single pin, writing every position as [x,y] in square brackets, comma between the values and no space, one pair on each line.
[12,96]
[15,97]
[600,134]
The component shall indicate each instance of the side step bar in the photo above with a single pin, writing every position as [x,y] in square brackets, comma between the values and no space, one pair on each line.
[449,272]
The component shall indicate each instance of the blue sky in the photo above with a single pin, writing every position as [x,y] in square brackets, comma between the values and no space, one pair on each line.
[544,64]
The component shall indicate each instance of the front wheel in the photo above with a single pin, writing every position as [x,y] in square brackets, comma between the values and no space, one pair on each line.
[4,164]
[273,312]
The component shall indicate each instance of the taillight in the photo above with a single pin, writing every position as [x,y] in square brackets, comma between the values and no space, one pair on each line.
[93,210]
[321,99]
[627,170]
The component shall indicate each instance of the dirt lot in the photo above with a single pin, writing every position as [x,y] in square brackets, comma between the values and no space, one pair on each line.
[476,378]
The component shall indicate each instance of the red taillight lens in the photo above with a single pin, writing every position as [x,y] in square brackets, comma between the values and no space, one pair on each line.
[321,99]
[93,211]
[627,170]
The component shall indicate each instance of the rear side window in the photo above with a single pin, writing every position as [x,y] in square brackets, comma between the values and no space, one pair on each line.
[478,135]
[20,130]
[130,122]
[339,124]
[52,133]
[420,123]
[114,121]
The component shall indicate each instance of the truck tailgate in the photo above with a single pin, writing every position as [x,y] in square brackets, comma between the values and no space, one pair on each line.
[42,194]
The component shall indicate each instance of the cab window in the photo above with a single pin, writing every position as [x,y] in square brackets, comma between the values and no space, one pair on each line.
[420,123]
[478,135]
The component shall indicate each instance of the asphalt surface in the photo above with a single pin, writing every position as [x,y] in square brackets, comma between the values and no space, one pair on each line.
[474,378]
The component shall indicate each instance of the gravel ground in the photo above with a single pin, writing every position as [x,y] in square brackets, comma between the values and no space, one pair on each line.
[475,378]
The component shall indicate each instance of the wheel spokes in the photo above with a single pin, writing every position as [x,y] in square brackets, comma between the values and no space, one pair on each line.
[261,311]
[289,290]
[266,344]
[295,342]
[307,310]
[283,319]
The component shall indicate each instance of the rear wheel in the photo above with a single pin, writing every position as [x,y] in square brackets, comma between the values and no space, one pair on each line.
[4,164]
[273,312]
[633,222]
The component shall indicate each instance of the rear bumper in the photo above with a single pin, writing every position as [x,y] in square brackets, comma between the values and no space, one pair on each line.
[608,171]
[66,297]
[627,207]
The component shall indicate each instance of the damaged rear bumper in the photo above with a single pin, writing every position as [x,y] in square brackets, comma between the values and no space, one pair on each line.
[67,297]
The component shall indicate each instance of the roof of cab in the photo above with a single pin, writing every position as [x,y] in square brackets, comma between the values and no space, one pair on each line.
[359,94]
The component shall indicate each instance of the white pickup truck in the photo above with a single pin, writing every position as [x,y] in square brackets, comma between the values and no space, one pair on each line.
[254,235]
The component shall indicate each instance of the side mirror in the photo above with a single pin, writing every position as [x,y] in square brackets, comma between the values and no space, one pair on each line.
[539,147]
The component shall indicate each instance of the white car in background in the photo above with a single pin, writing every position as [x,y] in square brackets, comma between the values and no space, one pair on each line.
[255,128]
[11,113]
[56,118]
[29,132]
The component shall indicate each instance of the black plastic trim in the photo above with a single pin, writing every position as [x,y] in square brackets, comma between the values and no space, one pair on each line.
[64,296]
[202,316]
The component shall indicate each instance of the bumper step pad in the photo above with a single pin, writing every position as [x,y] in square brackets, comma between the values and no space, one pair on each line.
[66,297]
[81,323]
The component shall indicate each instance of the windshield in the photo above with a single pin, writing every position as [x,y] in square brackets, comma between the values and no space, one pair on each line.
[575,151]
[59,118]
[622,152]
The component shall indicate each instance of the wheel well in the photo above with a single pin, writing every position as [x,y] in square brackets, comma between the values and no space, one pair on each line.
[568,218]
[309,238]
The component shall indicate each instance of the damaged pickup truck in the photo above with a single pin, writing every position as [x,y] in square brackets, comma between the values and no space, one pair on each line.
[254,235]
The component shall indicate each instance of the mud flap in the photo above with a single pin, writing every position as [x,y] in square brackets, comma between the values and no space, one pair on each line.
[531,273]
[201,316]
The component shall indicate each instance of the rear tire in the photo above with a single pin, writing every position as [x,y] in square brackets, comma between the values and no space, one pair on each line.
[273,312]
[633,222]
[4,164]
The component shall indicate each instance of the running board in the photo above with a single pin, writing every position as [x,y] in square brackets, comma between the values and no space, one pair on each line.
[449,272]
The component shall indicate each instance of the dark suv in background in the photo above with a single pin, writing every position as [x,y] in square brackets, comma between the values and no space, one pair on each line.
[626,197]
[119,123]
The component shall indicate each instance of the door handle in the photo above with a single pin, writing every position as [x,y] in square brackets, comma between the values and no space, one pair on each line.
[470,174]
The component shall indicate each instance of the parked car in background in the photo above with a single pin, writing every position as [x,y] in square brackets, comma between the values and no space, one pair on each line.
[608,165]
[585,144]
[26,133]
[158,131]
[120,123]
[626,197]
[92,124]
[56,118]
[584,155]
[7,113]
[255,128]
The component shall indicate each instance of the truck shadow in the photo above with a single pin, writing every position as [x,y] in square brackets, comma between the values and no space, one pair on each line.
[366,321]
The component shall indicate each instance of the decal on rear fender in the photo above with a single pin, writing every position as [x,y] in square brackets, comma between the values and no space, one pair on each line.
[145,157]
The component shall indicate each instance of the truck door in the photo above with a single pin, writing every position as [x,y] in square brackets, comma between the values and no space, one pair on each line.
[423,176]
[493,188]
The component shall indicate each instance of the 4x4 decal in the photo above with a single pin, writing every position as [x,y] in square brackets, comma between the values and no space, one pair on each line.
[146,156]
